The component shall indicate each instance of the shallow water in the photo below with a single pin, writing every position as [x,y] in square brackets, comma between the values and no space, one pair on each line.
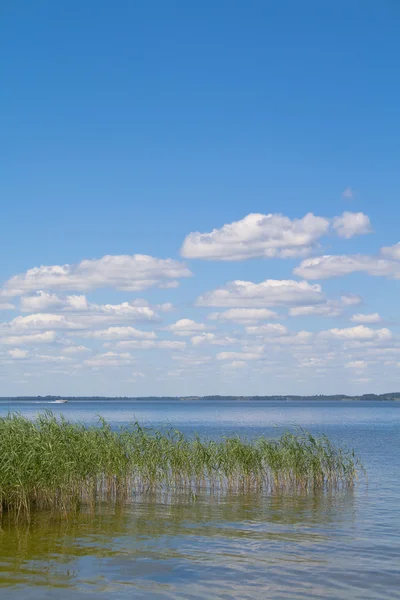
[344,544]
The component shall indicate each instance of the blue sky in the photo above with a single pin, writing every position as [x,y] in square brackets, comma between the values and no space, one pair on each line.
[128,127]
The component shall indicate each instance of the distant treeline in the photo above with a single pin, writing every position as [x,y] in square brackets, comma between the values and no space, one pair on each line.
[333,397]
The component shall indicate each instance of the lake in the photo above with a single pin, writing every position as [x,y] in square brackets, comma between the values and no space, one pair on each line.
[338,544]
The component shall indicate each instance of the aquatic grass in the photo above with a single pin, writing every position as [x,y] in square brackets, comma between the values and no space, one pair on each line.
[52,464]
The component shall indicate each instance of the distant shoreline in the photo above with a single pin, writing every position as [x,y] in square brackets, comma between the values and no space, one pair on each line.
[394,396]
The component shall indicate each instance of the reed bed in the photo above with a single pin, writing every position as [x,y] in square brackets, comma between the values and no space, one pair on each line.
[52,464]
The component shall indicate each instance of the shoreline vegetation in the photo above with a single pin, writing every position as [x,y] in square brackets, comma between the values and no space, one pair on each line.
[391,396]
[57,466]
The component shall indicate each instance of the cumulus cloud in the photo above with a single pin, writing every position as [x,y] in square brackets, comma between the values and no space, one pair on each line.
[7,306]
[41,321]
[17,353]
[272,292]
[351,299]
[350,224]
[359,365]
[330,309]
[165,307]
[170,345]
[366,318]
[50,358]
[244,316]
[77,303]
[391,251]
[360,333]
[118,333]
[124,311]
[268,330]
[270,236]
[150,344]
[47,337]
[241,356]
[75,349]
[88,313]
[386,264]
[235,364]
[213,339]
[124,272]
[192,360]
[41,301]
[301,339]
[257,235]
[110,359]
[132,344]
[327,266]
[186,327]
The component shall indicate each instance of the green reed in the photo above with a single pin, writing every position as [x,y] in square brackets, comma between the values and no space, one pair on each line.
[56,465]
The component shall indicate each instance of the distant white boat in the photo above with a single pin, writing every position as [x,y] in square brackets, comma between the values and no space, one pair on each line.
[60,401]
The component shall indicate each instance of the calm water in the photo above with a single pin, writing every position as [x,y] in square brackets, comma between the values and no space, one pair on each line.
[339,545]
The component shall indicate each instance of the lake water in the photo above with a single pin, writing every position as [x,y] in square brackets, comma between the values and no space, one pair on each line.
[343,544]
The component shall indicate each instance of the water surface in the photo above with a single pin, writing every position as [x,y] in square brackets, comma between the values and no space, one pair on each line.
[343,544]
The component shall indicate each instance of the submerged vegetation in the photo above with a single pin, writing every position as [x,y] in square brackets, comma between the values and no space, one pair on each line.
[56,465]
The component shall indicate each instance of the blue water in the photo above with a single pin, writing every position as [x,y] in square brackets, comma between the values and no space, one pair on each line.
[345,544]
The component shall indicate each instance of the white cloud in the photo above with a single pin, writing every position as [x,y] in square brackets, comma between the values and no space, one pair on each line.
[6,306]
[132,344]
[150,344]
[257,235]
[244,315]
[213,339]
[350,224]
[268,330]
[330,309]
[165,307]
[170,345]
[241,356]
[386,264]
[88,313]
[110,359]
[123,311]
[47,337]
[192,360]
[366,318]
[348,193]
[235,364]
[351,299]
[272,292]
[134,376]
[359,365]
[51,358]
[118,333]
[301,338]
[270,236]
[40,301]
[186,327]
[77,303]
[41,321]
[129,273]
[382,352]
[18,353]
[391,251]
[76,349]
[360,333]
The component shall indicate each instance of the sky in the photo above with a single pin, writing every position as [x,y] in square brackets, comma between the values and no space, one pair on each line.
[199,197]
